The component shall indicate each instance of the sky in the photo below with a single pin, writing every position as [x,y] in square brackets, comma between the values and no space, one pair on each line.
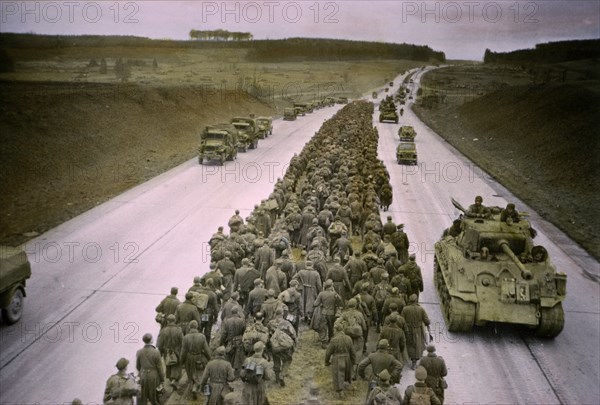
[461,29]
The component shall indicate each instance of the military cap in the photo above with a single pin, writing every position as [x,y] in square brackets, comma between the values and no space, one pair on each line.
[457,222]
[189,295]
[227,253]
[147,338]
[259,346]
[279,311]
[510,206]
[171,317]
[412,257]
[257,281]
[309,264]
[430,348]
[413,298]
[421,373]
[122,363]
[384,375]
[315,221]
[383,344]
[328,282]
[399,226]
[220,228]
[393,318]
[193,324]
[209,282]
[279,261]
[352,303]
[389,217]
[338,326]
[395,290]
[271,292]
[235,295]
[220,351]
[78,401]
[237,212]
[293,283]
[365,286]
[385,275]
[212,265]
[174,290]
[197,280]
[245,260]
[479,198]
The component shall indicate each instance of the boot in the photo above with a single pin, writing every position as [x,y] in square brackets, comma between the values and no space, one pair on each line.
[414,364]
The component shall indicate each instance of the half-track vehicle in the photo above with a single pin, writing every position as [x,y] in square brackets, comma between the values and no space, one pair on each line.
[388,113]
[289,114]
[406,153]
[248,132]
[407,133]
[491,272]
[265,126]
[218,142]
[14,272]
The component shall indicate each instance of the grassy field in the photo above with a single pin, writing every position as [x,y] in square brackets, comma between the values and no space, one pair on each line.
[536,133]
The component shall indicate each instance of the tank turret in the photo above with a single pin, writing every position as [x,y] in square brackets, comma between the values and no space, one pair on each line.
[490,271]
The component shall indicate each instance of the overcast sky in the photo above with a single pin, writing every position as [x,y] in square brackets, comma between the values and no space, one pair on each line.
[461,29]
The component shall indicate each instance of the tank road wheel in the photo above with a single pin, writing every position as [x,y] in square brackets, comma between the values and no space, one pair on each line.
[551,322]
[460,315]
[13,312]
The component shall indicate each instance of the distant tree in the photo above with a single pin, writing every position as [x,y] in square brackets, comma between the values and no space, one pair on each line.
[122,70]
[103,68]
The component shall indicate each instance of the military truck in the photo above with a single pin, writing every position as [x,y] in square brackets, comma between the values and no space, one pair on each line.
[247,132]
[289,114]
[218,142]
[406,153]
[374,94]
[265,126]
[407,133]
[388,114]
[303,108]
[342,100]
[329,101]
[492,272]
[15,270]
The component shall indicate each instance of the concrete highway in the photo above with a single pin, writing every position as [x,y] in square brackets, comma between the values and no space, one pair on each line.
[97,278]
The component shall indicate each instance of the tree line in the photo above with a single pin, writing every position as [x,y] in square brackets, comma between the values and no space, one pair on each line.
[550,52]
[220,35]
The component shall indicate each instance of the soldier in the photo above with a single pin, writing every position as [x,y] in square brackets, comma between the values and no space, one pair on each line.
[169,344]
[168,306]
[381,360]
[255,331]
[282,355]
[216,238]
[235,222]
[402,284]
[227,268]
[436,371]
[121,387]
[454,230]
[231,303]
[330,302]
[292,299]
[343,248]
[378,271]
[366,280]
[389,227]
[243,280]
[370,258]
[355,325]
[384,393]
[355,268]
[325,217]
[345,214]
[218,374]
[341,356]
[478,210]
[357,214]
[194,355]
[371,242]
[509,214]
[394,298]
[338,275]
[208,316]
[412,271]
[187,312]
[256,371]
[395,335]
[264,257]
[270,306]
[288,267]
[232,332]
[149,366]
[310,283]
[335,232]
[214,275]
[275,278]
[262,220]
[420,393]
[416,318]
[381,292]
[400,241]
[256,298]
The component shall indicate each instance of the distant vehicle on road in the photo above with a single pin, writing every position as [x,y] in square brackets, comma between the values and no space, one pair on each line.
[289,114]
[406,153]
[14,272]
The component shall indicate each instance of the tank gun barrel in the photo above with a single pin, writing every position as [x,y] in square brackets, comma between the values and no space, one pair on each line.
[526,274]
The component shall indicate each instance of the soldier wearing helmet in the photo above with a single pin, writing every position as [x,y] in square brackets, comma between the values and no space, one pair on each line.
[478,210]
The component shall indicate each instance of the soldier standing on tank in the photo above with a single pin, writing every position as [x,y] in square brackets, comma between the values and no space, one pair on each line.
[422,393]
[454,230]
[341,356]
[121,387]
[416,319]
[168,305]
[218,373]
[149,366]
[169,344]
[255,391]
[194,355]
[436,371]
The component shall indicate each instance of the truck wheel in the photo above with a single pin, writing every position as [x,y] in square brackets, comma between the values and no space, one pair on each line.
[13,312]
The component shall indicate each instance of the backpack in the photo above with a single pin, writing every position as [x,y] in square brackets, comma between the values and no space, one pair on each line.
[252,373]
[200,300]
[281,341]
[252,335]
[381,293]
[381,397]
[352,328]
[419,397]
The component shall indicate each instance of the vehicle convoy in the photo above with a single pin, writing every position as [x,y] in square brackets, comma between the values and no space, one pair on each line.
[406,153]
[303,108]
[289,114]
[14,272]
[265,126]
[407,133]
[342,100]
[218,142]
[248,132]
[491,272]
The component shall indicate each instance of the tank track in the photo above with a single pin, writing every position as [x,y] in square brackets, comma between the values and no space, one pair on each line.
[458,314]
[552,321]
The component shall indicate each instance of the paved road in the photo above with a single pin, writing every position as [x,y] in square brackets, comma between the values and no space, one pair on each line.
[97,277]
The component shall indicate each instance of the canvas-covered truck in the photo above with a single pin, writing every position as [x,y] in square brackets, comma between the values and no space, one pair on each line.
[289,114]
[218,142]
[265,126]
[14,272]
[406,153]
[248,132]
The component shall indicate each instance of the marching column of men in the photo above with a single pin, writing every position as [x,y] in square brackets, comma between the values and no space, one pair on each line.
[262,300]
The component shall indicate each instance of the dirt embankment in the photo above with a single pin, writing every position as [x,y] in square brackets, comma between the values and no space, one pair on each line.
[67,147]
[541,142]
